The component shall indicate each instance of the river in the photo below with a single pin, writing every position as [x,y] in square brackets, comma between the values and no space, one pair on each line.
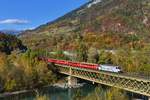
[54,93]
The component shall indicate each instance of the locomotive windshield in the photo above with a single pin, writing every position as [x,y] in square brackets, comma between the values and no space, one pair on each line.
[118,67]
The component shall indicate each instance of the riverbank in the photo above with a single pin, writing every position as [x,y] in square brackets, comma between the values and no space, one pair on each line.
[6,94]
[65,85]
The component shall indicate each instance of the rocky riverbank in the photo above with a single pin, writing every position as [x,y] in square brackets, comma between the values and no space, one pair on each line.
[65,85]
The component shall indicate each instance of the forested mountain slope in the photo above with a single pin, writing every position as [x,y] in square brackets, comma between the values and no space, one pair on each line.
[9,43]
[107,24]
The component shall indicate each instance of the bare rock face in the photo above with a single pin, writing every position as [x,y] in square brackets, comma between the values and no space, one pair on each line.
[93,2]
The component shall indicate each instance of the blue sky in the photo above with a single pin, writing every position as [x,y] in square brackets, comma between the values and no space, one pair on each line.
[26,14]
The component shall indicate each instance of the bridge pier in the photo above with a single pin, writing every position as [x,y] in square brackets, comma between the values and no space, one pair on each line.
[72,81]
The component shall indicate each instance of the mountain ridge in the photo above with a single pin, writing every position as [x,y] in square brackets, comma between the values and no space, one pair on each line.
[123,20]
[11,31]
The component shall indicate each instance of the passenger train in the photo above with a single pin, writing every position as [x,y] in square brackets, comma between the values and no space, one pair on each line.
[108,68]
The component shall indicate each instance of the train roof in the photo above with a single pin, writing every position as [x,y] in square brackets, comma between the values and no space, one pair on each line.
[106,65]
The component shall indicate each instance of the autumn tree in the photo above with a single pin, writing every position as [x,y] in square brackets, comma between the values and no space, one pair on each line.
[93,55]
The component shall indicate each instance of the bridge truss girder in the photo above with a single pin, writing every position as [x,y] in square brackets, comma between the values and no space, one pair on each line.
[136,85]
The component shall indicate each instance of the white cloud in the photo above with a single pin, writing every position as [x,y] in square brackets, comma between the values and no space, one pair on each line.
[14,21]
